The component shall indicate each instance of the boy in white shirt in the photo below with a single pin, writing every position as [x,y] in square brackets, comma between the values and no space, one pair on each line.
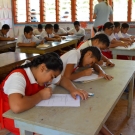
[77,30]
[118,34]
[28,39]
[38,30]
[59,31]
[48,35]
[3,33]
[124,30]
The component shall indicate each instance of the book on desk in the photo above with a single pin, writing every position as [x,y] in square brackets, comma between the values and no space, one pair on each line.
[130,47]
[42,46]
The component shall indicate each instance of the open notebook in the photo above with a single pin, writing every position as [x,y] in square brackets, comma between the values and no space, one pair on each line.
[132,47]
[60,100]
[86,79]
[43,46]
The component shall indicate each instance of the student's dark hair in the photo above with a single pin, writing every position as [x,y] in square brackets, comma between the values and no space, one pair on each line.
[95,52]
[48,26]
[125,25]
[103,38]
[108,25]
[56,26]
[40,26]
[76,23]
[117,24]
[51,60]
[6,27]
[28,29]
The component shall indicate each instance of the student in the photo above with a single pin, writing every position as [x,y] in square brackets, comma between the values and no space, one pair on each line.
[124,30]
[77,30]
[118,34]
[108,30]
[84,58]
[3,33]
[28,39]
[59,31]
[25,87]
[102,42]
[38,30]
[48,34]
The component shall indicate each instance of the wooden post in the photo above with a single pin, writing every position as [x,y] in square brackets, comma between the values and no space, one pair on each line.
[57,10]
[129,10]
[73,10]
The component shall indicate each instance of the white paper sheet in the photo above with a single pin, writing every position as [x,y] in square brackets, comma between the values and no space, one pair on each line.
[42,46]
[61,100]
[88,78]
[132,47]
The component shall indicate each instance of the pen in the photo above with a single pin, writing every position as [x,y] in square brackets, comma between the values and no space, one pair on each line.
[90,94]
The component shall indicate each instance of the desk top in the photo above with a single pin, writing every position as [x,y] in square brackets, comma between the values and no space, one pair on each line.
[7,42]
[92,114]
[13,57]
[53,47]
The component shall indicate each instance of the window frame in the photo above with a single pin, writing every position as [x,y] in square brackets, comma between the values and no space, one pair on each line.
[73,12]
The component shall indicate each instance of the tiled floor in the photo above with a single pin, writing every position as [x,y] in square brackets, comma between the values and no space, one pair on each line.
[118,122]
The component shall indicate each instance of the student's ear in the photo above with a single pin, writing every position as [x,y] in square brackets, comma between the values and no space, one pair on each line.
[43,67]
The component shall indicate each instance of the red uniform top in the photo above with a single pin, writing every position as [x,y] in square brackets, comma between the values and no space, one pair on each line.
[30,89]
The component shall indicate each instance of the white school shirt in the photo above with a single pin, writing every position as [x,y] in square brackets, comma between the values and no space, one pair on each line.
[1,34]
[85,44]
[16,82]
[23,39]
[44,34]
[118,35]
[126,35]
[71,57]
[60,31]
[36,32]
[81,32]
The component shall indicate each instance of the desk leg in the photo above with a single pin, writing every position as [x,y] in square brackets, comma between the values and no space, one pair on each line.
[130,96]
[23,132]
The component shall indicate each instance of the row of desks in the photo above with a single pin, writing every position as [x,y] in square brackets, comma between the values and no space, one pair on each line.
[90,116]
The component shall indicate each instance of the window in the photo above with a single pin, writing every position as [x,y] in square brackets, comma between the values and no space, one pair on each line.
[65,10]
[133,11]
[35,10]
[50,11]
[83,10]
[21,10]
[120,10]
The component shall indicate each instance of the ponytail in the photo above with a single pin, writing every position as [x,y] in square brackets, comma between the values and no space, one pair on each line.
[106,1]
[51,60]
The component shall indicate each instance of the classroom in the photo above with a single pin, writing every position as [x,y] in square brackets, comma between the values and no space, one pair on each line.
[67,67]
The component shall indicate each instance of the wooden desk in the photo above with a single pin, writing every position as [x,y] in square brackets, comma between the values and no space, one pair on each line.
[10,60]
[6,45]
[53,47]
[90,116]
[116,52]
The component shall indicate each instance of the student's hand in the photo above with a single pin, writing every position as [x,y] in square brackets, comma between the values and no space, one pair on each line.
[110,63]
[33,43]
[107,77]
[88,72]
[125,44]
[63,37]
[12,39]
[46,93]
[100,62]
[42,42]
[82,93]
[70,33]
[58,39]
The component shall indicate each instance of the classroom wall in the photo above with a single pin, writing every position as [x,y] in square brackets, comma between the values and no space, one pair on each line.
[6,15]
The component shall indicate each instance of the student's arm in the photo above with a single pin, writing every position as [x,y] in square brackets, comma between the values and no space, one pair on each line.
[67,84]
[108,61]
[72,76]
[6,39]
[52,39]
[100,71]
[116,43]
[19,103]
[26,44]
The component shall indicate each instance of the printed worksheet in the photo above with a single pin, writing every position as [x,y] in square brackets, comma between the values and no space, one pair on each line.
[61,100]
[132,47]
